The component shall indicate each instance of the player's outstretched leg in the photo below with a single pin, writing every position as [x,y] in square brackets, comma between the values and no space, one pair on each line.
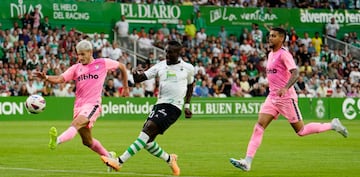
[112,162]
[112,154]
[242,164]
[53,138]
[154,149]
[338,127]
[173,165]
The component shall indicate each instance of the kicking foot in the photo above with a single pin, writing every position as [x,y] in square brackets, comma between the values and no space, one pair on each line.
[337,126]
[173,165]
[111,162]
[112,154]
[242,164]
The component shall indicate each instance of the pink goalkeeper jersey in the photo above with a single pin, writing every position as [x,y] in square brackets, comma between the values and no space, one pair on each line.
[278,69]
[89,80]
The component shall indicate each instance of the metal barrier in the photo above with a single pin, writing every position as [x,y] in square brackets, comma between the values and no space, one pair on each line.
[347,48]
[139,50]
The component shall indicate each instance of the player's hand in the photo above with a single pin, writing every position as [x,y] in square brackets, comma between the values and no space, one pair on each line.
[188,113]
[138,71]
[281,92]
[125,92]
[38,74]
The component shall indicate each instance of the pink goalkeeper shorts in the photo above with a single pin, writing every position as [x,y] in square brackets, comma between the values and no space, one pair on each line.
[286,107]
[90,111]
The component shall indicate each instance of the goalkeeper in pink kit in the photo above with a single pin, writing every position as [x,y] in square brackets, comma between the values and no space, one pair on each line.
[282,73]
[89,76]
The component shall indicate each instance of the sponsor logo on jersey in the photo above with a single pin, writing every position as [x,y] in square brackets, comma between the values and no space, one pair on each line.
[170,74]
[271,71]
[87,76]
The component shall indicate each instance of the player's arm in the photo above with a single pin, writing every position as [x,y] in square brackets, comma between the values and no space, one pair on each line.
[139,75]
[189,91]
[124,77]
[55,79]
[52,79]
[289,63]
[293,79]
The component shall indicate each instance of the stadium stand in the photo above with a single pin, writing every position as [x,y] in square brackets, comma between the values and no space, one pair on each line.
[226,65]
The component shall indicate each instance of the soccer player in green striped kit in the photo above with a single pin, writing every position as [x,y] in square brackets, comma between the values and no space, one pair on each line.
[176,79]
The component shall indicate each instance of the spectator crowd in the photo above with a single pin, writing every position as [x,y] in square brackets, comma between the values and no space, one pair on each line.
[226,65]
[317,4]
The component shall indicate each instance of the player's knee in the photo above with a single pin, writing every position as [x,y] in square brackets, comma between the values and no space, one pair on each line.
[87,143]
[151,129]
[79,125]
[150,140]
[152,134]
[300,133]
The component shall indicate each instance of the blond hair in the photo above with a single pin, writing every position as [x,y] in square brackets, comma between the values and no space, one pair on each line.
[84,45]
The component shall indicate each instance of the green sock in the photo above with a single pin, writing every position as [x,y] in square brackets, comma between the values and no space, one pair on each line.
[154,149]
[135,147]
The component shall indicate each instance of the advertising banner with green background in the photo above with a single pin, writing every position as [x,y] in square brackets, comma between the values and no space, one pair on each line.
[91,17]
[61,108]
[310,20]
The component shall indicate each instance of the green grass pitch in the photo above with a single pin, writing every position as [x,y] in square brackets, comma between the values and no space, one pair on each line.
[204,147]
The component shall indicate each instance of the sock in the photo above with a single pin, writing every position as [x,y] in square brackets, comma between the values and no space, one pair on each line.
[312,128]
[255,141]
[154,149]
[248,159]
[67,135]
[98,148]
[135,147]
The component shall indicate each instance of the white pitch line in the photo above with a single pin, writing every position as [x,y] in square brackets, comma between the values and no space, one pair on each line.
[86,172]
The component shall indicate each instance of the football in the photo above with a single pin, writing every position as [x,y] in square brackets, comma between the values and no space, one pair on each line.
[35,104]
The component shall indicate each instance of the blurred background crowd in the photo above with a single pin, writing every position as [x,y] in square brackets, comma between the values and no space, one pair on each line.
[327,4]
[226,65]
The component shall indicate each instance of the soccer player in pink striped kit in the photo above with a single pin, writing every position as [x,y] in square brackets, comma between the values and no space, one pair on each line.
[282,73]
[89,76]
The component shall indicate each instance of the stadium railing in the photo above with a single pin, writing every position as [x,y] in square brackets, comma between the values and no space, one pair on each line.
[347,48]
[138,50]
